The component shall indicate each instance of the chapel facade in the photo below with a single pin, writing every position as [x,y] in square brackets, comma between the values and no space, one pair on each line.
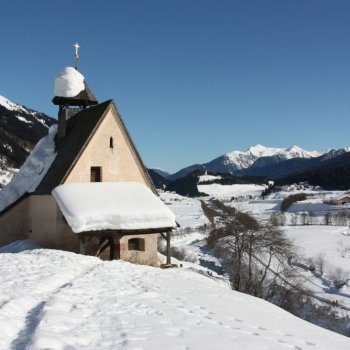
[92,144]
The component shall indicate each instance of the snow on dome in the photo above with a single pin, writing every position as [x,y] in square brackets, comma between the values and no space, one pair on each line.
[32,171]
[112,205]
[69,83]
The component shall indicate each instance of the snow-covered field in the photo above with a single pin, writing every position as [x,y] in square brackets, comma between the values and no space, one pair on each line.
[229,191]
[312,240]
[329,240]
[58,300]
[188,211]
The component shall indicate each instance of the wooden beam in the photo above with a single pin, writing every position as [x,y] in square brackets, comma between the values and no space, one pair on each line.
[114,233]
[111,248]
[102,246]
[82,245]
[168,257]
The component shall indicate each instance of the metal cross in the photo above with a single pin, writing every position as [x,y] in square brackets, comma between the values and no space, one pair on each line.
[76,56]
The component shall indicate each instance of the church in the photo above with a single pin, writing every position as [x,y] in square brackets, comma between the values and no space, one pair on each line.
[92,194]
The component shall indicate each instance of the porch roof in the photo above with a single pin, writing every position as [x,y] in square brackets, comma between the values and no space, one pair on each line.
[122,206]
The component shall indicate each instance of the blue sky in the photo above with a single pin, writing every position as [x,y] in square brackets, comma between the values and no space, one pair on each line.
[192,79]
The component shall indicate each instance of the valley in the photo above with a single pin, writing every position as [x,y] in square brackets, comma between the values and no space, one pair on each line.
[315,277]
[318,230]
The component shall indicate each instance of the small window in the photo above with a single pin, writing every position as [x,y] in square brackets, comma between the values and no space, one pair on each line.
[111,142]
[136,244]
[95,174]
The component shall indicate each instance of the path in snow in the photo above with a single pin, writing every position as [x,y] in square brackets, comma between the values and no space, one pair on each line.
[59,300]
[27,284]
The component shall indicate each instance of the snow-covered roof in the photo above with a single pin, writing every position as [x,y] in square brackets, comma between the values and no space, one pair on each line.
[69,83]
[112,206]
[32,171]
[340,197]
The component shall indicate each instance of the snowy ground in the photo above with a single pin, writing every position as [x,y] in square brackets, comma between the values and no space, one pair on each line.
[329,240]
[188,211]
[311,240]
[58,300]
[229,191]
[334,244]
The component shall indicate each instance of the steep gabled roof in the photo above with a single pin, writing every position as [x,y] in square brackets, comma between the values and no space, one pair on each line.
[81,127]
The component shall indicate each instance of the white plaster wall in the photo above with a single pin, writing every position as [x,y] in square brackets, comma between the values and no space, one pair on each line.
[118,163]
[43,211]
[147,257]
[15,223]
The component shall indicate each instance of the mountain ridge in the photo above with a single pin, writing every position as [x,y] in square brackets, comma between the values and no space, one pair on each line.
[20,129]
[237,162]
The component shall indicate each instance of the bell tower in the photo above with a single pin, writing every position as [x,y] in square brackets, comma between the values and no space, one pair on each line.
[72,94]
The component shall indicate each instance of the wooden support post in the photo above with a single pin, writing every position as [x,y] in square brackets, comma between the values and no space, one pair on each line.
[111,248]
[168,257]
[82,245]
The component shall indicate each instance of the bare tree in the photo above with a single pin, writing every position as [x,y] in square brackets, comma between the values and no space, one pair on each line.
[328,219]
[319,262]
[339,277]
[341,218]
[342,249]
[304,218]
[209,213]
[278,219]
[294,220]
[312,218]
[251,248]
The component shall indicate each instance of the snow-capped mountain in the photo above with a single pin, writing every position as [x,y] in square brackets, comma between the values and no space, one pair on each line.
[237,162]
[25,114]
[20,130]
[332,153]
[292,152]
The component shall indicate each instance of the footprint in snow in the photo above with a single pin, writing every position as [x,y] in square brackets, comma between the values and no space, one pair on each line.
[175,332]
[309,343]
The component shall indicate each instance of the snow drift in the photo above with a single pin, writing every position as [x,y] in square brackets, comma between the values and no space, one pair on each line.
[32,171]
[71,301]
[69,83]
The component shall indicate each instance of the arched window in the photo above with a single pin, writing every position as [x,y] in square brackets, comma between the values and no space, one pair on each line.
[136,244]
[111,142]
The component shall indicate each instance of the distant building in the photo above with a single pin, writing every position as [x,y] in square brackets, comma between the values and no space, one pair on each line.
[341,200]
[92,145]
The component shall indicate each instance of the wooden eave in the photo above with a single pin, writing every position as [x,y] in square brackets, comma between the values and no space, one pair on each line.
[84,98]
[115,233]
